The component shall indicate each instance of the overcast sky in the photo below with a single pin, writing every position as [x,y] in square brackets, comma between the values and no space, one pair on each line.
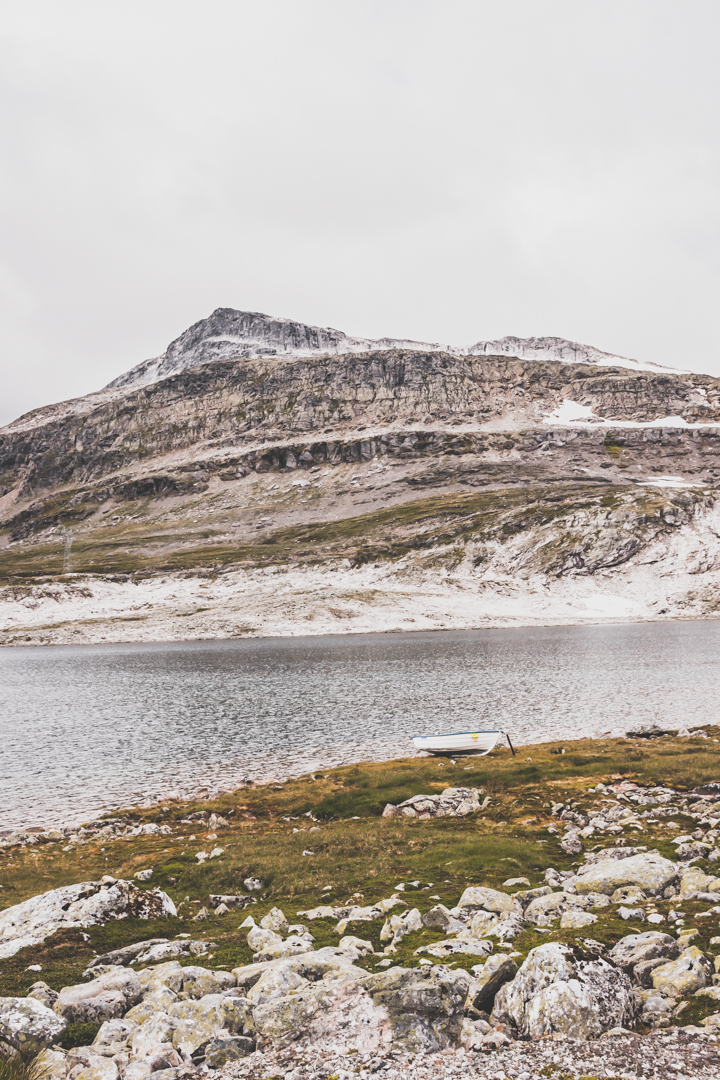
[448,170]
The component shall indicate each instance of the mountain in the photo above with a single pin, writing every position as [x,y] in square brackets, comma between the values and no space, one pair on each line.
[267,477]
[229,334]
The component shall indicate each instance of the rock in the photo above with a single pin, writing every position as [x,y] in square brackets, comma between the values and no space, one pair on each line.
[526,895]
[42,992]
[327,1016]
[712,992]
[639,948]
[169,949]
[235,900]
[95,1068]
[439,918]
[138,1070]
[275,950]
[694,881]
[253,884]
[642,973]
[125,956]
[398,926]
[481,924]
[158,1001]
[495,972]
[506,929]
[199,981]
[683,976]
[451,946]
[275,921]
[278,981]
[545,909]
[89,903]
[478,898]
[651,872]
[575,920]
[322,912]
[168,975]
[258,938]
[555,993]
[197,1023]
[629,894]
[636,914]
[114,1037]
[143,875]
[424,1005]
[355,947]
[51,1064]
[571,844]
[452,802]
[28,1025]
[156,1032]
[514,881]
[222,1051]
[105,998]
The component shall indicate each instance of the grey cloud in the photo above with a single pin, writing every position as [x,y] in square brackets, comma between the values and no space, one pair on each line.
[446,172]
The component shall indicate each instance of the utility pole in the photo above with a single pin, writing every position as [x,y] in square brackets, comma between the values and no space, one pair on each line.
[67,554]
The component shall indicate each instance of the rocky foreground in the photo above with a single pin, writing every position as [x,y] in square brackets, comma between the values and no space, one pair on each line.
[411,986]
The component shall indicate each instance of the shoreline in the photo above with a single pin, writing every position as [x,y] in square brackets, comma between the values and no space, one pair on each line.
[192,796]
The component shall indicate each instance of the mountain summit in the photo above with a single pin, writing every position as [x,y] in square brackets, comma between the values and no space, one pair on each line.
[232,335]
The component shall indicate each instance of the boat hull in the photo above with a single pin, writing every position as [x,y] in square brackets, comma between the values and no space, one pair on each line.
[462,742]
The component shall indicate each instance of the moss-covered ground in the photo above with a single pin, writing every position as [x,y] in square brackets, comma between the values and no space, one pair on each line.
[145,543]
[358,856]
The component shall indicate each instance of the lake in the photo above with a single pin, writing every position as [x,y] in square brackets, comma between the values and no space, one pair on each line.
[89,728]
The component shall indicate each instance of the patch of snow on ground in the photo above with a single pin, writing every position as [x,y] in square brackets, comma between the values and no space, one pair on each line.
[571,411]
[669,482]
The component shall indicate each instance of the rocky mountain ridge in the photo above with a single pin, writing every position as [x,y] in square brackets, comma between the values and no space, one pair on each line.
[229,335]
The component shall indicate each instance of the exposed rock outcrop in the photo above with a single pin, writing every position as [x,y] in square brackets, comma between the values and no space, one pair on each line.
[86,904]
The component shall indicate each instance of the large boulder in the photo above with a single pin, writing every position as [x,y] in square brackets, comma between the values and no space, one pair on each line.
[28,1025]
[114,1037]
[424,1005]
[651,872]
[87,904]
[694,881]
[554,992]
[690,972]
[639,948]
[336,1016]
[199,981]
[544,910]
[83,1063]
[197,1023]
[495,972]
[105,998]
[164,976]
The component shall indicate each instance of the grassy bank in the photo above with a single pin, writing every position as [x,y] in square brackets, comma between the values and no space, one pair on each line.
[360,855]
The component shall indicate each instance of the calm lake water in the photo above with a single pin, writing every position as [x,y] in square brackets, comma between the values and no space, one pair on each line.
[89,728]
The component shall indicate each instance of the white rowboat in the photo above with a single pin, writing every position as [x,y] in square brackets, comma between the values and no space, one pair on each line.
[462,742]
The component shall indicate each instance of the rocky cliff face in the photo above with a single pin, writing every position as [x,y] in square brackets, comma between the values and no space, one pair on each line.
[229,335]
[423,471]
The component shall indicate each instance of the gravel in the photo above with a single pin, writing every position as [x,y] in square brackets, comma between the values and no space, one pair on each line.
[683,1053]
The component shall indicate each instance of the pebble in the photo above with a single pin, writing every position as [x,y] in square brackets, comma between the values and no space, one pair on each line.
[680,1053]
